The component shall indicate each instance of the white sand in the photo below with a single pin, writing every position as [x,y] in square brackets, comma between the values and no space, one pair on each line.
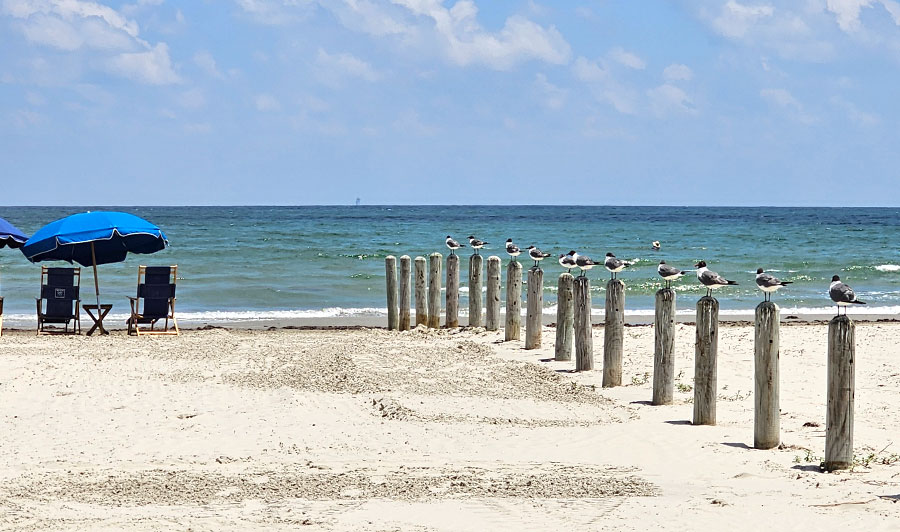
[370,430]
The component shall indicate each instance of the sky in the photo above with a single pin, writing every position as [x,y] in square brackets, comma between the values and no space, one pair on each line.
[296,102]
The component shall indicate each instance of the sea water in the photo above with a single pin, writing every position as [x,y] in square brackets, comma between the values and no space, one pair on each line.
[251,263]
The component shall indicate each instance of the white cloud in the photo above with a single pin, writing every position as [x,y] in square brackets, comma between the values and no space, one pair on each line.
[276,12]
[779,97]
[856,115]
[84,26]
[333,68]
[788,33]
[627,58]
[554,97]
[207,63]
[192,99]
[667,99]
[152,67]
[466,42]
[784,100]
[735,19]
[267,103]
[677,72]
[588,71]
[604,87]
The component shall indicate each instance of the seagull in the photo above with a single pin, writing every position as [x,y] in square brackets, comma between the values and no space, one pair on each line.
[476,244]
[584,262]
[768,284]
[614,265]
[567,262]
[842,295]
[511,249]
[669,273]
[536,255]
[710,279]
[452,244]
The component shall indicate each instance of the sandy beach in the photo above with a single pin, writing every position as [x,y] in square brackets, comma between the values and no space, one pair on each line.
[367,429]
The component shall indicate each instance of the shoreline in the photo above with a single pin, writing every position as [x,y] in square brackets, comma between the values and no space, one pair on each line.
[380,322]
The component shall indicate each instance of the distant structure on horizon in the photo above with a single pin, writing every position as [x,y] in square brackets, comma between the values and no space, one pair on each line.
[357,202]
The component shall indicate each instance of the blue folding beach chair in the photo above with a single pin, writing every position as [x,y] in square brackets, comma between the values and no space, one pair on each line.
[155,300]
[59,303]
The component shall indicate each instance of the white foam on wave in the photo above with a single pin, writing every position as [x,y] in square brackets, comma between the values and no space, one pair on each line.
[888,268]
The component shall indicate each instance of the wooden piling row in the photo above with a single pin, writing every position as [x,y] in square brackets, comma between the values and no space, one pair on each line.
[841,393]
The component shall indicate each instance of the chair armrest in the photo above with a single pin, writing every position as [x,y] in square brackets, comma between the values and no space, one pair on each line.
[131,298]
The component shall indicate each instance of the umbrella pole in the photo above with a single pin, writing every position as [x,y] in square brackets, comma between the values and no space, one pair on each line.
[96,283]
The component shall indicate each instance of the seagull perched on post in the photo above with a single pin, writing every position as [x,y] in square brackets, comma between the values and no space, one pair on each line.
[710,279]
[584,262]
[768,283]
[567,262]
[614,265]
[536,255]
[476,244]
[511,249]
[452,244]
[842,295]
[669,273]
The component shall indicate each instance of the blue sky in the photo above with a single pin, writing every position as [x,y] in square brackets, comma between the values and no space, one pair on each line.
[703,102]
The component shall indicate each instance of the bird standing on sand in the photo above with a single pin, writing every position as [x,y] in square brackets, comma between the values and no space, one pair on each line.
[614,265]
[710,279]
[768,283]
[669,273]
[567,261]
[584,262]
[476,244]
[536,255]
[842,295]
[511,249]
[452,244]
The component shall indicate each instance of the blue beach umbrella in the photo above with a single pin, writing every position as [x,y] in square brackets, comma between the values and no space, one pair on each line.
[10,236]
[93,238]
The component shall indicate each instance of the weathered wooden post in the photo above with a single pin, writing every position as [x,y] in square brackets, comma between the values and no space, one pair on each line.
[404,292]
[492,320]
[476,268]
[535,306]
[664,348]
[434,290]
[705,352]
[565,317]
[390,267]
[513,301]
[841,393]
[451,308]
[614,333]
[421,293]
[767,412]
[584,343]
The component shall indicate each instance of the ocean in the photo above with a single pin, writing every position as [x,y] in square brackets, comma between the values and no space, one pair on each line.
[252,263]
